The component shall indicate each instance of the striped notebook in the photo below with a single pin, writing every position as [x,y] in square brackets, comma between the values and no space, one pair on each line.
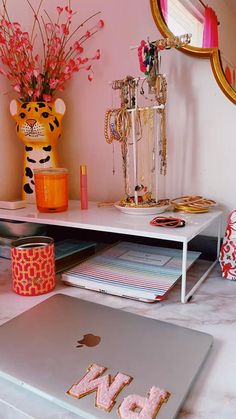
[131,270]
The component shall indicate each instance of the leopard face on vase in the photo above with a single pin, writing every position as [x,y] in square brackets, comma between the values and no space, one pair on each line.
[38,126]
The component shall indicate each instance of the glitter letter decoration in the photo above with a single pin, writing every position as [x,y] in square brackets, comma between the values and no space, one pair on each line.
[107,388]
[137,407]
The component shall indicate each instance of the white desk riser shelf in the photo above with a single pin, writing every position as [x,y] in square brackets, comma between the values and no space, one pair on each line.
[109,219]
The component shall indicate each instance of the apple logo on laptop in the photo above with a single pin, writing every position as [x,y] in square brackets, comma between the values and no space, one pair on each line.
[89,340]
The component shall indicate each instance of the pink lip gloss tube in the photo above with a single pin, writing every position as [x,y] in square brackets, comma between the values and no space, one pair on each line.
[83,187]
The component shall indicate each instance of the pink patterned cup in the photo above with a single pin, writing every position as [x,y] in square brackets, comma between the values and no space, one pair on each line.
[33,265]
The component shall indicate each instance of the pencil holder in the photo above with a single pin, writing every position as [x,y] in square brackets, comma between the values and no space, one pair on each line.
[33,265]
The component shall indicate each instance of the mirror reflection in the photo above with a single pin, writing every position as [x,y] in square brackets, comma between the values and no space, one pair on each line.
[211,24]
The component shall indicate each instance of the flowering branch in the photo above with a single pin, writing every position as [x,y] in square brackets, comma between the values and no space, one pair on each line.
[39,79]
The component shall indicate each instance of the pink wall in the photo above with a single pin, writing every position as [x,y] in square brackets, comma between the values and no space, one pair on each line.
[125,26]
[201,120]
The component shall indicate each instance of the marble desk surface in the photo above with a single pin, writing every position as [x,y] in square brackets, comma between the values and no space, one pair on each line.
[212,310]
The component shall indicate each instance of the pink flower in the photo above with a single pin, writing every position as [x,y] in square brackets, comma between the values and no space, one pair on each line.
[16,25]
[78,47]
[4,23]
[98,54]
[67,70]
[67,76]
[35,73]
[53,83]
[29,92]
[49,27]
[100,23]
[47,98]
[36,94]
[68,10]
[59,9]
[17,88]
[84,60]
[90,77]
[65,29]
[2,39]
[56,41]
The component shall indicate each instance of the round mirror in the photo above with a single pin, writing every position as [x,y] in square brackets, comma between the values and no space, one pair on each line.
[213,29]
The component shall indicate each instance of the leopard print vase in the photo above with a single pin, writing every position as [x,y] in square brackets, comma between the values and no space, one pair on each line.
[38,126]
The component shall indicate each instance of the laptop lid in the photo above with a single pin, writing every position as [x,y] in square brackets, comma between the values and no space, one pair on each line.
[65,341]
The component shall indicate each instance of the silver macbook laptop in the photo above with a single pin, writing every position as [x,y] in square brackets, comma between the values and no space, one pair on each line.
[94,360]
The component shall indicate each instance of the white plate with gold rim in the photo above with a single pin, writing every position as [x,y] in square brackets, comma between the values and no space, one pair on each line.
[141,210]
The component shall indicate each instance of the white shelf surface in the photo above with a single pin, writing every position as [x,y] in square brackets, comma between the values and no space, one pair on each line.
[109,219]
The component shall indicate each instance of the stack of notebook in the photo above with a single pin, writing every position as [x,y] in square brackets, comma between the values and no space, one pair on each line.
[70,252]
[131,270]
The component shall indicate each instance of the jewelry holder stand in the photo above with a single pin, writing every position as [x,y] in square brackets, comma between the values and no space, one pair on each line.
[143,146]
[138,151]
[138,123]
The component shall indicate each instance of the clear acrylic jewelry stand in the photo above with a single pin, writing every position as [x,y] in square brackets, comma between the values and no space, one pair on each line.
[133,111]
[134,142]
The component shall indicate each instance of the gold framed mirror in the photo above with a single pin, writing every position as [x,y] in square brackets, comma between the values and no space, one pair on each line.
[214,54]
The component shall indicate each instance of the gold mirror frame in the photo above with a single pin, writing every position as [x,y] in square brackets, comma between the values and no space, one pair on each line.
[211,53]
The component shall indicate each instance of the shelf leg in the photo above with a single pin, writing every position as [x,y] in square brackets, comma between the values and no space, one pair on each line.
[184,272]
[186,297]
[219,238]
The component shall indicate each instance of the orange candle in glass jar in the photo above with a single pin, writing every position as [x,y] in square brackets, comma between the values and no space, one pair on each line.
[51,189]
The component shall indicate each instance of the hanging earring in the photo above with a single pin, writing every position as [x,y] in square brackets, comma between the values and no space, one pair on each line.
[113,159]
